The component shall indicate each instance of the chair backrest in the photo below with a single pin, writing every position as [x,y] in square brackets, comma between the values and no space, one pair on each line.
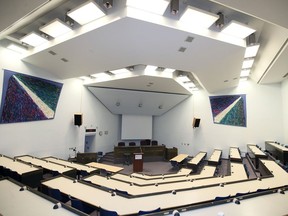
[81,206]
[104,212]
[149,212]
[55,193]
[154,142]
[121,143]
[132,144]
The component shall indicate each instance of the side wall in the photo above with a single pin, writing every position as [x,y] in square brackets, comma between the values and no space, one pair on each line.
[285,109]
[55,137]
[264,121]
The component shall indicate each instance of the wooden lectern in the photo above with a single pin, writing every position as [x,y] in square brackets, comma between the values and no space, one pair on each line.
[138,162]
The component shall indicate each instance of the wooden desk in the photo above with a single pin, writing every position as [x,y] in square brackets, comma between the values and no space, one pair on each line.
[108,168]
[28,202]
[190,196]
[277,151]
[49,166]
[29,175]
[79,167]
[215,157]
[179,158]
[255,154]
[195,161]
[235,154]
[150,153]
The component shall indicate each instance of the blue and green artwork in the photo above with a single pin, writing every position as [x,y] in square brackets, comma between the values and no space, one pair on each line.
[229,109]
[27,98]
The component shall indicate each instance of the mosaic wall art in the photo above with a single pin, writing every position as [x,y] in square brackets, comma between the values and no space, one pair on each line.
[229,109]
[27,98]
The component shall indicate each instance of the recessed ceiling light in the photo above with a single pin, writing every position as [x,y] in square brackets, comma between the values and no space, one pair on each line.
[245,72]
[16,48]
[237,29]
[197,17]
[120,71]
[183,79]
[33,39]
[55,28]
[251,50]
[168,70]
[190,84]
[100,75]
[247,63]
[152,6]
[86,13]
[150,68]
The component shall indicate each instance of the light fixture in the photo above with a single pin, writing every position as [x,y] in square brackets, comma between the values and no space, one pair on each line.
[150,68]
[237,29]
[152,6]
[100,75]
[251,50]
[247,63]
[183,79]
[33,39]
[55,28]
[168,70]
[16,48]
[198,17]
[86,12]
[120,71]
[190,84]
[174,6]
[245,72]
[108,3]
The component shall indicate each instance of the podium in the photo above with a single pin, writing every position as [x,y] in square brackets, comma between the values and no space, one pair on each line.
[138,162]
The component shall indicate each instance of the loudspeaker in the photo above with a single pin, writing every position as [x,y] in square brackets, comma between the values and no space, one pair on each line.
[196,122]
[78,119]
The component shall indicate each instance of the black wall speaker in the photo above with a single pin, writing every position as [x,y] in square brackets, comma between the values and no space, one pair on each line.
[78,119]
[196,122]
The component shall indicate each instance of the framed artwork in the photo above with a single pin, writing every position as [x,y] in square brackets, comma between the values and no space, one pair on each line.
[229,109]
[28,98]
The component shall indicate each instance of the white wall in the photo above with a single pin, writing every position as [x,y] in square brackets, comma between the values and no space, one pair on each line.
[285,109]
[264,121]
[55,137]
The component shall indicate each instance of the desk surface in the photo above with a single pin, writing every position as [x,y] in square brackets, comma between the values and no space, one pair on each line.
[215,155]
[179,158]
[14,202]
[255,150]
[17,166]
[107,167]
[167,200]
[71,164]
[195,160]
[45,164]
[280,147]
[234,153]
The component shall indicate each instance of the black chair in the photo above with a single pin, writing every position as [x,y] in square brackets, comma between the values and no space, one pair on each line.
[149,212]
[121,143]
[81,206]
[104,212]
[132,144]
[14,175]
[82,174]
[56,194]
[99,156]
[6,171]
[154,143]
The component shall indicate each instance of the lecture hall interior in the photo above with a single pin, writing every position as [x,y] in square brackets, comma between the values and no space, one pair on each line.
[143,107]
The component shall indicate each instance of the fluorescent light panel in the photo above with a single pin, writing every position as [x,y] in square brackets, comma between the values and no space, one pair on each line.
[251,50]
[245,73]
[247,63]
[55,28]
[33,39]
[198,17]
[16,48]
[190,84]
[152,6]
[237,29]
[168,70]
[183,79]
[150,68]
[120,71]
[86,13]
[100,75]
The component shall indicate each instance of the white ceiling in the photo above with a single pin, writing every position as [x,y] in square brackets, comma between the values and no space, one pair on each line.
[122,39]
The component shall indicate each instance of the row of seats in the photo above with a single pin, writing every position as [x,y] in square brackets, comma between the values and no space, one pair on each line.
[146,142]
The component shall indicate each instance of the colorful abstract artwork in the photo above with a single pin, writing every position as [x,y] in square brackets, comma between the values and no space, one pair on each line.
[229,109]
[27,98]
